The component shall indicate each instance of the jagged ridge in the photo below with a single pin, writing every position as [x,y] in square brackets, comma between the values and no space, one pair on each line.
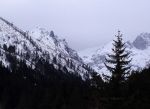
[39,43]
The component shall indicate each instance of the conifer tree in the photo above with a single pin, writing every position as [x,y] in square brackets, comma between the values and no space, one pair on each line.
[118,62]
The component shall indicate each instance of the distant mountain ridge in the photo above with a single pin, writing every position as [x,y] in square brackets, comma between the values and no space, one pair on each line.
[139,49]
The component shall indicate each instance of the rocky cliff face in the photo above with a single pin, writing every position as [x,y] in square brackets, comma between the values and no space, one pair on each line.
[142,41]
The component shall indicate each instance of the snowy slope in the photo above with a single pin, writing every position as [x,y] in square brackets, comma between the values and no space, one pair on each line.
[139,49]
[38,43]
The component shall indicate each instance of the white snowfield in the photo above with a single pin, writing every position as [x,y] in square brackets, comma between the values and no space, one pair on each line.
[139,49]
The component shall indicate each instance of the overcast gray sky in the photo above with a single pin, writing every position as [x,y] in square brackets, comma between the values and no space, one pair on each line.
[84,23]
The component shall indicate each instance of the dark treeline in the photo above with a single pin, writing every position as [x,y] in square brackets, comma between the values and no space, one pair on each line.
[25,88]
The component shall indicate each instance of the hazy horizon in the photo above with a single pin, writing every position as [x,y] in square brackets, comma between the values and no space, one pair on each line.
[84,24]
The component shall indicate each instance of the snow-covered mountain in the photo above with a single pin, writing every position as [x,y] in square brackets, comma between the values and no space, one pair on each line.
[139,49]
[38,43]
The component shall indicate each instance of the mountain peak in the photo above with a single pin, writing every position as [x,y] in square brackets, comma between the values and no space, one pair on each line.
[142,41]
[52,34]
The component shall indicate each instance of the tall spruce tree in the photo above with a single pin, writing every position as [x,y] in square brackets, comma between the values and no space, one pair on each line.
[118,63]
